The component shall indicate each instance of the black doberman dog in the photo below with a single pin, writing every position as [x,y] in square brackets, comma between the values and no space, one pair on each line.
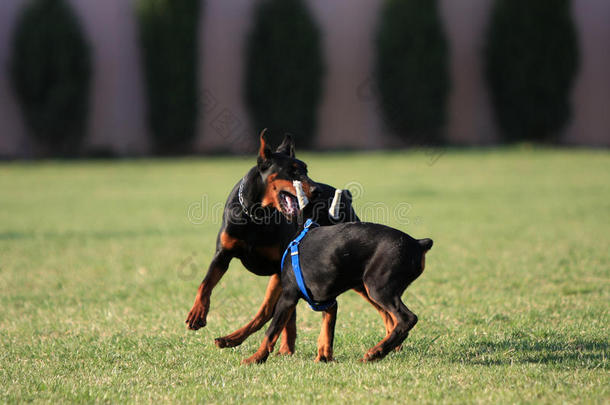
[369,257]
[253,230]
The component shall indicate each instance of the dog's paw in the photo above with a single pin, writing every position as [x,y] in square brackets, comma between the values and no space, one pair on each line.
[325,354]
[224,342]
[285,351]
[196,318]
[372,355]
[398,348]
[256,358]
[324,358]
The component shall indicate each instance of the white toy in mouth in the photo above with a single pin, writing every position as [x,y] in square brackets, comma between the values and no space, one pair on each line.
[333,211]
[303,201]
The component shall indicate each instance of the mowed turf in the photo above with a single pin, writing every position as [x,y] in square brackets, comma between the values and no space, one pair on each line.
[100,262]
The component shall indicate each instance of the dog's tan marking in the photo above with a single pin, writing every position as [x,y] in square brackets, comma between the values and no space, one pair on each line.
[274,186]
[272,253]
[229,242]
[325,340]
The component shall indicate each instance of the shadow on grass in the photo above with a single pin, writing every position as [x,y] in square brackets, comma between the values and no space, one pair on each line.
[554,351]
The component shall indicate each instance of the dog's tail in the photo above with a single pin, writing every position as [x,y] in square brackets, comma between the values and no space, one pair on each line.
[426,244]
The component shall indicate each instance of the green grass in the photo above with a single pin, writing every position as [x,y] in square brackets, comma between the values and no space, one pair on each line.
[99,265]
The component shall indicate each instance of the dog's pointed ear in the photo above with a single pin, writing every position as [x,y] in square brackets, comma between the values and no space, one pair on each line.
[264,151]
[287,146]
[426,244]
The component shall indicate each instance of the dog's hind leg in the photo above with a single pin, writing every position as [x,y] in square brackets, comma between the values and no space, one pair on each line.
[387,319]
[327,335]
[281,315]
[404,321]
[274,289]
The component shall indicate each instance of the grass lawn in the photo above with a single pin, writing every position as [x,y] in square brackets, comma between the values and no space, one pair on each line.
[100,262]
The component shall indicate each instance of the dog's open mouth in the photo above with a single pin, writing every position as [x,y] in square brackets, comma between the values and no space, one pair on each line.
[289,204]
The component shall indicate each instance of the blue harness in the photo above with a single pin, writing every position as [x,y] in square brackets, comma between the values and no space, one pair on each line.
[293,248]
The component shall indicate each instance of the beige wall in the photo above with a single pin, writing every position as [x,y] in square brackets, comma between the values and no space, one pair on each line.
[223,123]
[470,116]
[591,97]
[348,113]
[116,121]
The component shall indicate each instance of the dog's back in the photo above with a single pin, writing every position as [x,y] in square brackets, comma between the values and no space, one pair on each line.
[338,258]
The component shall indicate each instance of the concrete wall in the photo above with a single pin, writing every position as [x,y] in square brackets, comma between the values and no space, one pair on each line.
[117,109]
[470,117]
[348,115]
[591,98]
[224,123]
[117,116]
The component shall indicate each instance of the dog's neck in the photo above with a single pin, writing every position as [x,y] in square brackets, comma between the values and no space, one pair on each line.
[251,190]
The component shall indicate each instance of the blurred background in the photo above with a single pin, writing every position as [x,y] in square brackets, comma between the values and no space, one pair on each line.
[165,77]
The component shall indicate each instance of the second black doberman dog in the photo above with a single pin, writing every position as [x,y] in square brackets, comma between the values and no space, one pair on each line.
[252,230]
[381,260]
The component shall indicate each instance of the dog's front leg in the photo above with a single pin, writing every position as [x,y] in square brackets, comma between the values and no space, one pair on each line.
[197,316]
[327,335]
[289,336]
[283,311]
